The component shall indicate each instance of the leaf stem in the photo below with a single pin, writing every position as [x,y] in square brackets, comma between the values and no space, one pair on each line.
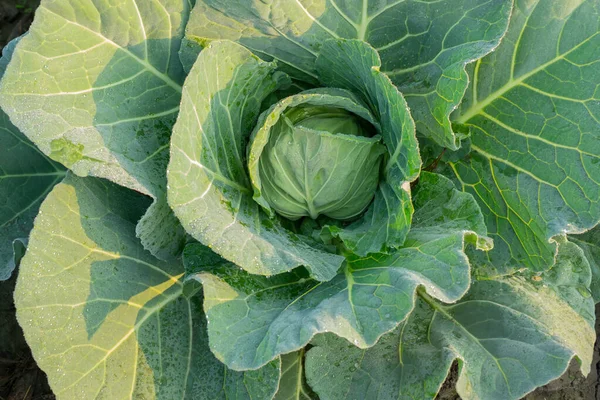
[427,298]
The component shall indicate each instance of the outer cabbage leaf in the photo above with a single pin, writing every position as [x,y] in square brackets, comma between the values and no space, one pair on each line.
[402,365]
[532,111]
[590,244]
[354,65]
[253,319]
[26,177]
[96,85]
[209,188]
[292,385]
[423,45]
[510,335]
[104,318]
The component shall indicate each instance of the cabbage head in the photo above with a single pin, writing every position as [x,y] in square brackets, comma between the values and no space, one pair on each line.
[317,160]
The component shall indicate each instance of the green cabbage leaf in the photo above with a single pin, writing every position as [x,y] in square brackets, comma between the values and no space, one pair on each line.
[303,199]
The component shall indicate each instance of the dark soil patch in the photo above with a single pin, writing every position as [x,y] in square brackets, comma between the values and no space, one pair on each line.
[15,18]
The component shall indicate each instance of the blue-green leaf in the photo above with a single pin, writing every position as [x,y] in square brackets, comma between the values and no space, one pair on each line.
[209,188]
[292,385]
[354,65]
[511,335]
[590,244]
[97,88]
[532,111]
[26,177]
[424,45]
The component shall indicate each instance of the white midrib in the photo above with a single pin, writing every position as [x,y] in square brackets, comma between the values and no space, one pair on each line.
[364,23]
[478,107]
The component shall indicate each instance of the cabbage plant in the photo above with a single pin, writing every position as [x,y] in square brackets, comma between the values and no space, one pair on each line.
[294,199]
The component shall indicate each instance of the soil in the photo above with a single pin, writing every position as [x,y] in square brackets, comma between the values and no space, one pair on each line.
[20,378]
[15,18]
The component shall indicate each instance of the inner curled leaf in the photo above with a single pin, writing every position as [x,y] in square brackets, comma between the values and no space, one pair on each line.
[319,160]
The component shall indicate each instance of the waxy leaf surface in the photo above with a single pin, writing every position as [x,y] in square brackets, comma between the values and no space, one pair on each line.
[423,45]
[106,319]
[209,188]
[512,334]
[534,118]
[253,319]
[590,243]
[26,177]
[354,65]
[292,385]
[96,85]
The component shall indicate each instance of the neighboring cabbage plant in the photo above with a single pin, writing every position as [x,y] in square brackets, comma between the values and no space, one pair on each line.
[303,199]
